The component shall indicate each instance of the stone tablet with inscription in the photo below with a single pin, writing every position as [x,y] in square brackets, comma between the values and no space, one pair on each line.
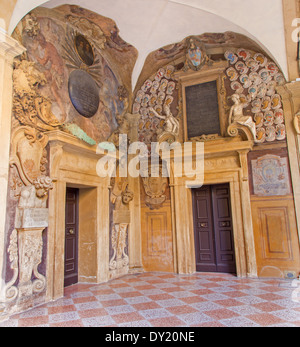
[202,109]
[84,93]
[32,218]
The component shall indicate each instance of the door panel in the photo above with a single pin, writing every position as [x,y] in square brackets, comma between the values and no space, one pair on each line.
[214,242]
[225,256]
[157,240]
[204,238]
[71,237]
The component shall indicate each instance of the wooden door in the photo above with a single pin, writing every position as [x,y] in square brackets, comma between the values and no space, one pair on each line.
[214,244]
[71,237]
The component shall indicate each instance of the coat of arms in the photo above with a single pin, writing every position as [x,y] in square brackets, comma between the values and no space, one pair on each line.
[196,56]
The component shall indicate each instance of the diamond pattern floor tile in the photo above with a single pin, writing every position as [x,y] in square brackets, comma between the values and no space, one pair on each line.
[169,300]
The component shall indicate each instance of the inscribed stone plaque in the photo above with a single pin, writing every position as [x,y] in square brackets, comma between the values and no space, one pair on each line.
[32,218]
[121,216]
[202,109]
[84,93]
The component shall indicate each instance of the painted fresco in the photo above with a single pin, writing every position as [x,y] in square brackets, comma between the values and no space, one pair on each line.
[81,85]
[270,176]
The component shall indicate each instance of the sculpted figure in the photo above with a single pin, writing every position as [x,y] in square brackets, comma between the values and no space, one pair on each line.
[236,115]
[171,123]
[121,198]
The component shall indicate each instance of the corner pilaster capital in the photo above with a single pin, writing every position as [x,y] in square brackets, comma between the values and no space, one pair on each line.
[9,47]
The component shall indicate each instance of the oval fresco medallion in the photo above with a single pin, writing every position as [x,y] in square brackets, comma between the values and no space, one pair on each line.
[84,50]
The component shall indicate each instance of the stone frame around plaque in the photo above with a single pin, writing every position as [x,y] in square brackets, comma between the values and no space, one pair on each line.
[205,75]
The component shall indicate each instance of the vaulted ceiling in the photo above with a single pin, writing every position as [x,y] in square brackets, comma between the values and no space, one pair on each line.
[151,24]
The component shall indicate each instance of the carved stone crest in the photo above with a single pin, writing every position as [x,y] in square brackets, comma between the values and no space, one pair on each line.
[28,153]
[155,189]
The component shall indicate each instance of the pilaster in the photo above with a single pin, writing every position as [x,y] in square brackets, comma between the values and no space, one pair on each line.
[9,49]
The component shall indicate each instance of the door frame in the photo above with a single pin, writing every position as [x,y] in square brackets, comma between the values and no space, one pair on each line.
[224,162]
[73,164]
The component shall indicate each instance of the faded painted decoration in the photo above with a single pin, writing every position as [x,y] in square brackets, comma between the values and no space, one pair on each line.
[270,176]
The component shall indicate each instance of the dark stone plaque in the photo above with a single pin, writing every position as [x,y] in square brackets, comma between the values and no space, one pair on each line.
[202,109]
[84,93]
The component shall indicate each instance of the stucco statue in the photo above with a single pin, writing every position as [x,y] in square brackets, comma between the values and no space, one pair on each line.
[171,124]
[36,195]
[237,116]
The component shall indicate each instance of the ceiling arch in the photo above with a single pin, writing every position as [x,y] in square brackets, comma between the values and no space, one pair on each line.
[151,24]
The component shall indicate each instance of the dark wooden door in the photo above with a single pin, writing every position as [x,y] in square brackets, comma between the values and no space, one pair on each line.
[71,237]
[214,244]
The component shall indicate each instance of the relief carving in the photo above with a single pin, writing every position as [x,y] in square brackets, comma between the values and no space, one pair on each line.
[238,119]
[120,197]
[28,153]
[170,129]
[29,106]
[26,242]
[155,189]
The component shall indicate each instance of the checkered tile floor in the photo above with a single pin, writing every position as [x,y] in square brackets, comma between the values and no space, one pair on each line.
[170,300]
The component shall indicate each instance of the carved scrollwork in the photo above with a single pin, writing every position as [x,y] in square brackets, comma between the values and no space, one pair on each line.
[11,291]
[29,106]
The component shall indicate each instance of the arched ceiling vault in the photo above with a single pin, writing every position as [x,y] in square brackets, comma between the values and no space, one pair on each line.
[151,24]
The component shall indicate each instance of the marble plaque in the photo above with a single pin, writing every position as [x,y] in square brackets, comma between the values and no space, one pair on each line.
[84,93]
[32,218]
